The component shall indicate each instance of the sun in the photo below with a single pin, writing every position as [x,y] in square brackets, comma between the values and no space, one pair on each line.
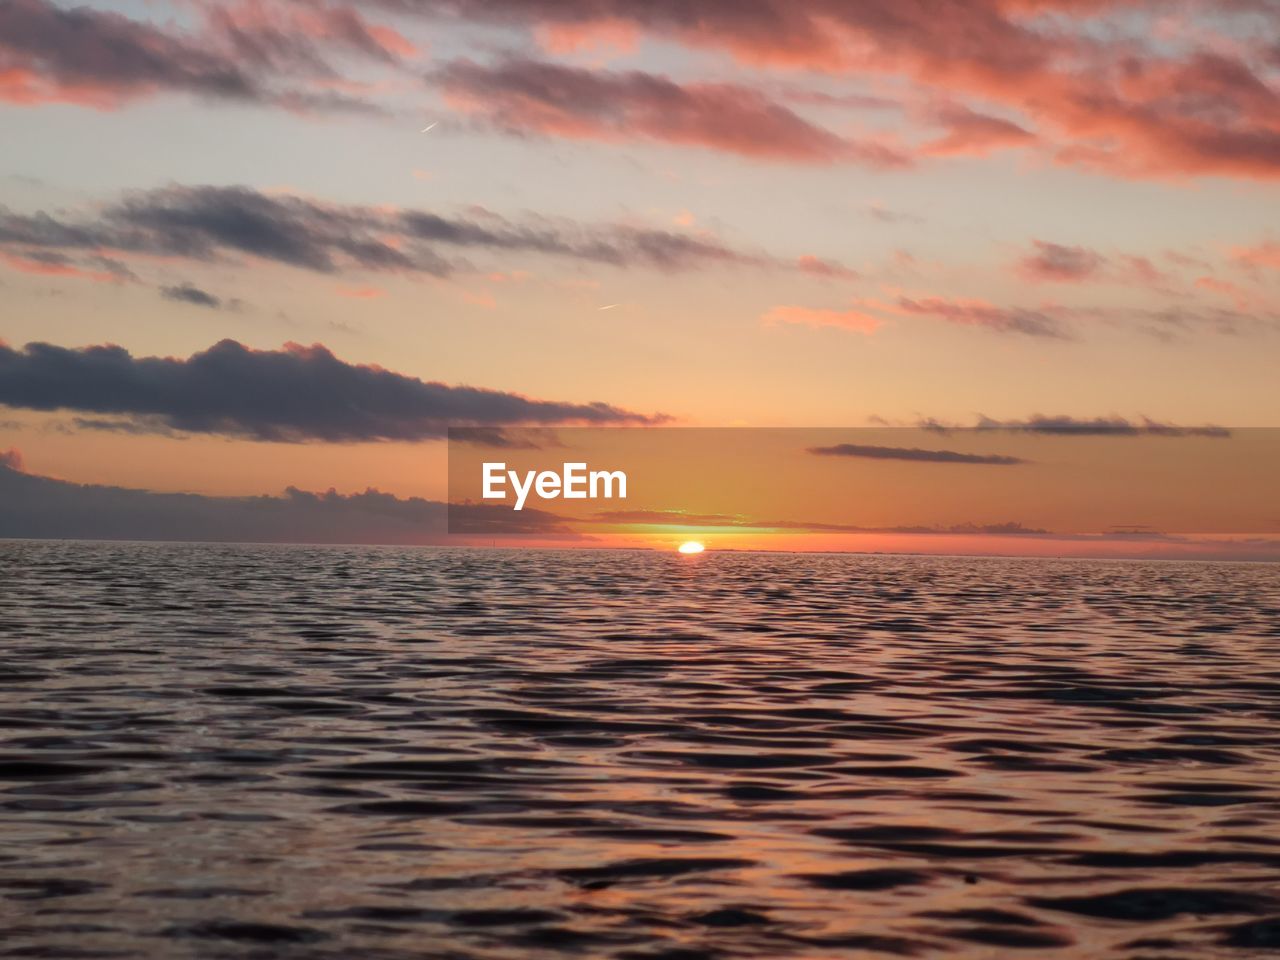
[691,546]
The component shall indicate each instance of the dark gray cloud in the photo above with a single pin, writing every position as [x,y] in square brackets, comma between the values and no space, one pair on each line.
[1099,426]
[1066,425]
[104,52]
[914,454]
[44,508]
[210,223]
[293,394]
[101,58]
[187,293]
[137,427]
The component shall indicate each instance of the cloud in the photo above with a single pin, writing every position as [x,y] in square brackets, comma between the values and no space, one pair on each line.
[234,224]
[293,37]
[867,316]
[294,394]
[537,97]
[360,293]
[680,518]
[1140,270]
[828,269]
[1225,288]
[186,293]
[11,459]
[98,58]
[1154,116]
[913,454]
[39,507]
[1044,322]
[1060,263]
[884,215]
[1098,86]
[1057,263]
[1101,87]
[669,517]
[102,59]
[855,320]
[974,134]
[45,508]
[49,263]
[1265,255]
[1113,426]
[1008,528]
[496,520]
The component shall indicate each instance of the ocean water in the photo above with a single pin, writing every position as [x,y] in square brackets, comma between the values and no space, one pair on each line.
[243,751]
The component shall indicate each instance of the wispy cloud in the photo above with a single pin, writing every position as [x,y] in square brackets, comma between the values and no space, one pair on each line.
[1264,255]
[1112,98]
[858,321]
[230,224]
[868,314]
[1066,425]
[263,54]
[539,97]
[974,134]
[734,521]
[1033,322]
[1058,263]
[913,454]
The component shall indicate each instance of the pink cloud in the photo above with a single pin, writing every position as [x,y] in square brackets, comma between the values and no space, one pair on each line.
[852,320]
[1225,288]
[1106,99]
[567,38]
[867,315]
[1141,270]
[50,268]
[970,133]
[1265,255]
[828,269]
[526,96]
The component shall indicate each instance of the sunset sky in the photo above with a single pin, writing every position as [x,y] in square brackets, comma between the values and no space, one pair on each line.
[706,213]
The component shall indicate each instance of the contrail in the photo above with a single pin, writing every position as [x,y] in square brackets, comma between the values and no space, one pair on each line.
[429,126]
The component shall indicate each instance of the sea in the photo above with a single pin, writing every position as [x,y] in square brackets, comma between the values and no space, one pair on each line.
[384,753]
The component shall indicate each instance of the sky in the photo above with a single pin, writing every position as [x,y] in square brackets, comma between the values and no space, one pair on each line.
[233,263]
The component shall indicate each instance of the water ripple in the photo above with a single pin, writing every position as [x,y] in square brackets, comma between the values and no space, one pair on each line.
[242,752]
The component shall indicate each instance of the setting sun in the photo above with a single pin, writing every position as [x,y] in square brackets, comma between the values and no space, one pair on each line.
[691,546]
